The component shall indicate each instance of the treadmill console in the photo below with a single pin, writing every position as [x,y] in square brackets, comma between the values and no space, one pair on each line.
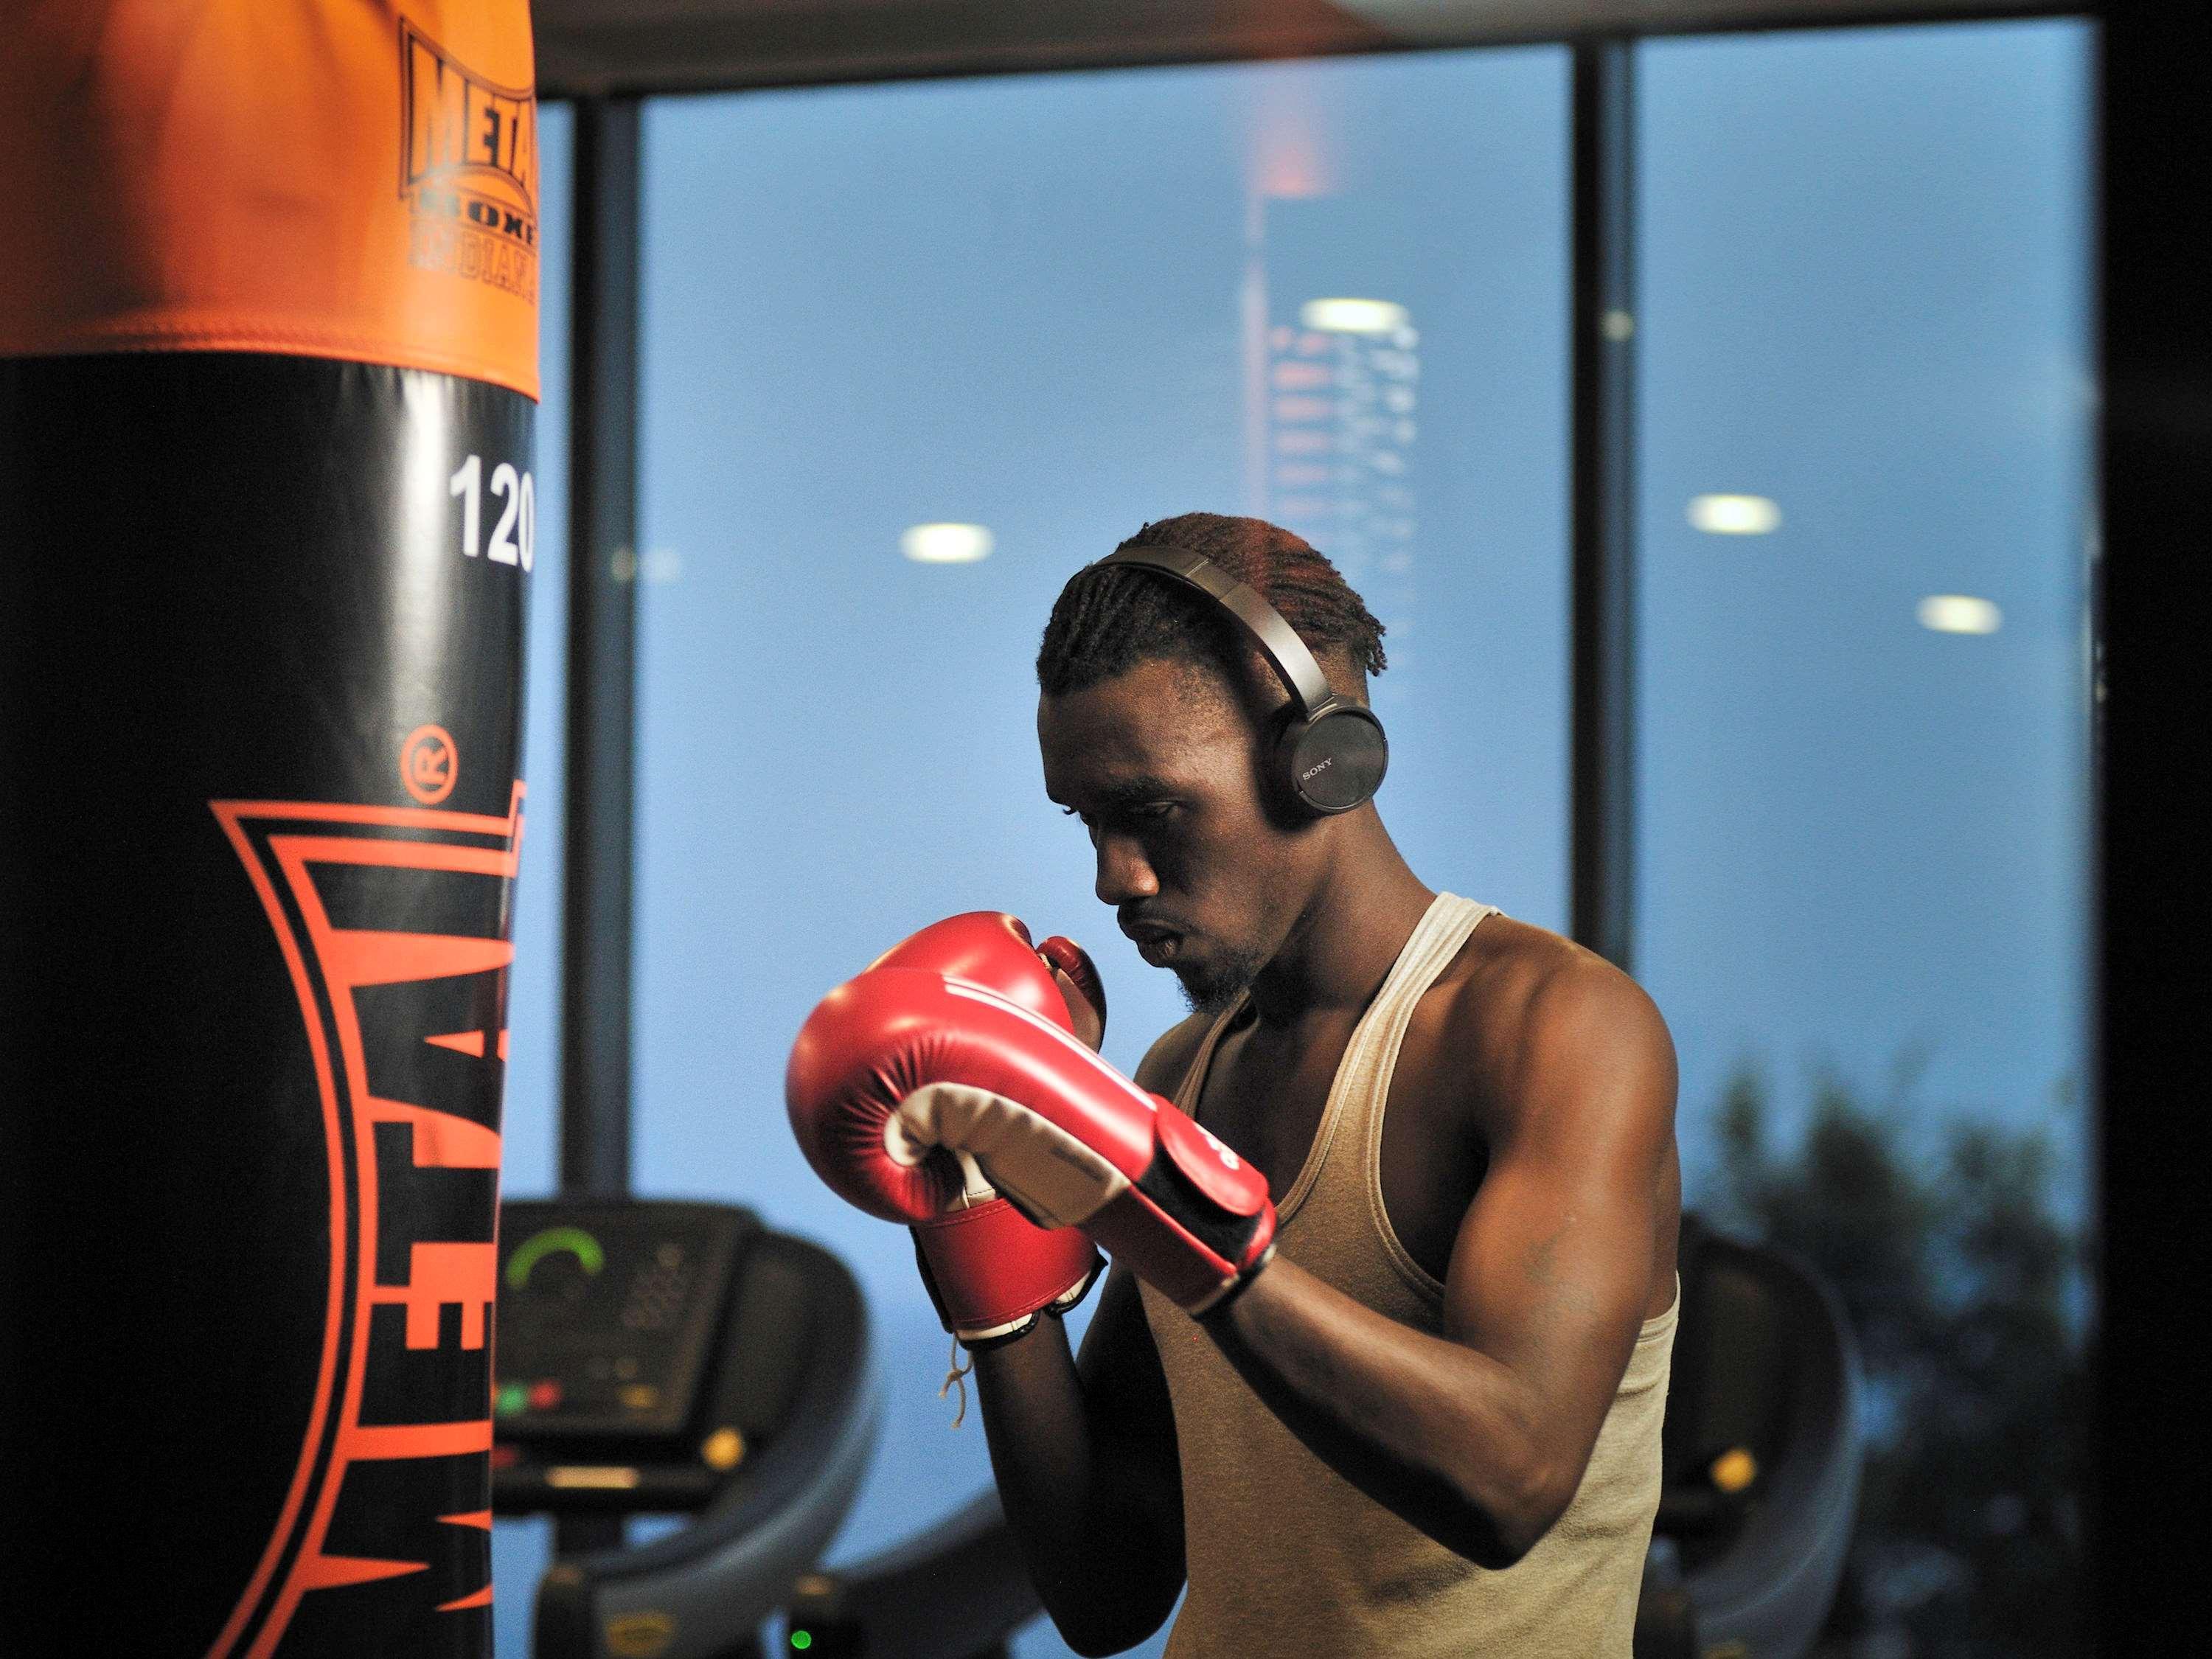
[609,1387]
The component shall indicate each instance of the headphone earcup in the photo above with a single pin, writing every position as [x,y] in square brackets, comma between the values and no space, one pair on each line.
[1334,760]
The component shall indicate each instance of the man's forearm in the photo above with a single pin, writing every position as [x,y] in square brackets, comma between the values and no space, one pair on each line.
[1040,1452]
[1085,1547]
[1440,1435]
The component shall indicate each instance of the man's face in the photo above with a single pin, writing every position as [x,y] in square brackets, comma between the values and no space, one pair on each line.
[1160,765]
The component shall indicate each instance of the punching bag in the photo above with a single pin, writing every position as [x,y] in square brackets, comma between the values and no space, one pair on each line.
[268,374]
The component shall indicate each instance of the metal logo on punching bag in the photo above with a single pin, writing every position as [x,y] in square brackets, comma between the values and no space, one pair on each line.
[390,923]
[468,169]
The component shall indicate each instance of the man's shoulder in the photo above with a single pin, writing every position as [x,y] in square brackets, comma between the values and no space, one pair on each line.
[1520,995]
[1506,964]
[1164,1063]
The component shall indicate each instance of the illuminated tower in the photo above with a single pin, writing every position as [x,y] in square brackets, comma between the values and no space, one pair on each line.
[1340,395]
[1343,385]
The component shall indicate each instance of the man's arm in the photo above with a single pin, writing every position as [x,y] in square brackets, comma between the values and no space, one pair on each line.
[1480,1436]
[1084,1453]
[1084,1457]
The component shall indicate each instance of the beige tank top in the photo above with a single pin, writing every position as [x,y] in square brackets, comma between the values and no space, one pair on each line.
[1287,1558]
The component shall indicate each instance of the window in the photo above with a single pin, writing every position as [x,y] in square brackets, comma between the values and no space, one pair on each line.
[529,1144]
[1865,426]
[1054,308]
[915,352]
[1863,275]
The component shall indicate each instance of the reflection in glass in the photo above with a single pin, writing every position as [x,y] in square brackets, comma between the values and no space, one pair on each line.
[1862,801]
[1054,309]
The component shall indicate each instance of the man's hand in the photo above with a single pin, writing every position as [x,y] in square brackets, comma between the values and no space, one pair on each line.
[991,1272]
[898,1066]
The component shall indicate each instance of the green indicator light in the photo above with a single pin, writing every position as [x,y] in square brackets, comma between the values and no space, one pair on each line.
[512,1399]
[801,1640]
[574,1240]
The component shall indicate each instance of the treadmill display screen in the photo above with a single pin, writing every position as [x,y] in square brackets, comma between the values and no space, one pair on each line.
[604,1315]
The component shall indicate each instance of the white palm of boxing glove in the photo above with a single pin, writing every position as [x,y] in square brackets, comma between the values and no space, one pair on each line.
[991,1272]
[900,1063]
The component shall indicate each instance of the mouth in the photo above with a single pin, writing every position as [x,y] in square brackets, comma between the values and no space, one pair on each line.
[1158,945]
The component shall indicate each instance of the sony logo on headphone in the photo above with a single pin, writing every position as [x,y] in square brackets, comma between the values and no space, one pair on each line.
[1306,776]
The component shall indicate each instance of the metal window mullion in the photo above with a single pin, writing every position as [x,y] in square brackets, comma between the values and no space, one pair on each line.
[1602,865]
[601,731]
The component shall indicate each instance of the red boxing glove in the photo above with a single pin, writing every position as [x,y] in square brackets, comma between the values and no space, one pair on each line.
[898,1063]
[991,1272]
[1074,964]
[992,949]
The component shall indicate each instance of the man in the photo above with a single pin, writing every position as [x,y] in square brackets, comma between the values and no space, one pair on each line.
[1428,1423]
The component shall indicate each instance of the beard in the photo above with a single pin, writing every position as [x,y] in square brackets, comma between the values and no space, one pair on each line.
[1211,987]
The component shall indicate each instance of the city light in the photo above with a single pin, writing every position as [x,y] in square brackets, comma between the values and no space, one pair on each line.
[945,544]
[1352,316]
[1959,613]
[1733,515]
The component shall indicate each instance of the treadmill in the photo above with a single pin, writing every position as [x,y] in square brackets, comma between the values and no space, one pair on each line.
[664,1357]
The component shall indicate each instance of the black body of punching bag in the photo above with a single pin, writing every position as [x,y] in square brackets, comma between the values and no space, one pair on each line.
[261,624]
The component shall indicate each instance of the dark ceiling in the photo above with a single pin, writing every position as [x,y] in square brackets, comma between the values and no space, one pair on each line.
[587,46]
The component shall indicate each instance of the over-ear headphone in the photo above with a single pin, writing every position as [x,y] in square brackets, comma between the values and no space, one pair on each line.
[1330,752]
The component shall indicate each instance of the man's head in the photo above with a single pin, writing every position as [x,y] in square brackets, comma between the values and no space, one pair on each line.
[1156,721]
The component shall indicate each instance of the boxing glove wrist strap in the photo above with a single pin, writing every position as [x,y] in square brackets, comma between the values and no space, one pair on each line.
[989,1270]
[1214,1312]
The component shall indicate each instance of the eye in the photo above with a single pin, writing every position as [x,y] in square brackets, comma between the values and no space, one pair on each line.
[1136,817]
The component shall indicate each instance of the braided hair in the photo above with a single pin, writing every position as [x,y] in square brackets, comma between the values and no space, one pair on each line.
[1107,619]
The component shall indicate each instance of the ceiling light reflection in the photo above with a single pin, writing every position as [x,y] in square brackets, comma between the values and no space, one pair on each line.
[1733,515]
[1959,613]
[1352,316]
[945,544]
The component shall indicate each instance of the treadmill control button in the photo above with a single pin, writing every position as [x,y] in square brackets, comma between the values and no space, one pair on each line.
[722,1449]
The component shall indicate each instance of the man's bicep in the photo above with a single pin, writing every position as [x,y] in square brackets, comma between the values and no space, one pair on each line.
[1552,1268]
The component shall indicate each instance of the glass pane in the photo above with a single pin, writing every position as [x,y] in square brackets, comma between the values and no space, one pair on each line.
[530,1155]
[530,1145]
[1865,419]
[1055,308]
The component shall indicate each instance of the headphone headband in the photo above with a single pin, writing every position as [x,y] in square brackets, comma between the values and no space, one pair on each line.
[1330,753]
[1277,641]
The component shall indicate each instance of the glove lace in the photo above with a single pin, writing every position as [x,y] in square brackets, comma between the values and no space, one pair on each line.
[957,1377]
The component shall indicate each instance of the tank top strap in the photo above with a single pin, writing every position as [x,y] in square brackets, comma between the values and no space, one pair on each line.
[1353,1113]
[1185,1097]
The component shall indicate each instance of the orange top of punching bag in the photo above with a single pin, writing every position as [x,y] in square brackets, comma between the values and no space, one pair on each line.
[353,179]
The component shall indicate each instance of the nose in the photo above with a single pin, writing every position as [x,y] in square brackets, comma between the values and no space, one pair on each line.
[1124,873]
